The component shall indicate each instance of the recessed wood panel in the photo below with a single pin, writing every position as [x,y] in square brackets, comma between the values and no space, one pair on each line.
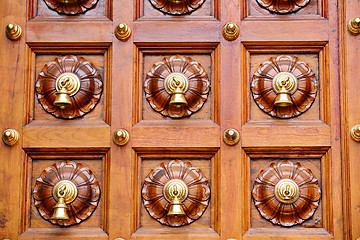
[315,8]
[39,9]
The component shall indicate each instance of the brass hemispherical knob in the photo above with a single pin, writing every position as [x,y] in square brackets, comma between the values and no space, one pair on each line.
[13,31]
[121,137]
[355,133]
[10,136]
[230,31]
[122,32]
[354,25]
[231,136]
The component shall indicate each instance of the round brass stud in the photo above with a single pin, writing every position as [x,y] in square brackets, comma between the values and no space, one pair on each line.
[68,188]
[122,32]
[13,31]
[121,137]
[355,133]
[286,80]
[286,191]
[10,136]
[230,31]
[354,25]
[231,136]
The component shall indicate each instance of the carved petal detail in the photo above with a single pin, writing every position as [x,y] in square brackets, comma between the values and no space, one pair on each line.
[264,94]
[159,98]
[286,214]
[177,7]
[88,192]
[283,6]
[194,205]
[84,100]
[71,7]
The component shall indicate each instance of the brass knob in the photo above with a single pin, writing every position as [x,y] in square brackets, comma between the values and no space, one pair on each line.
[122,32]
[121,137]
[355,133]
[287,191]
[10,136]
[354,25]
[231,136]
[230,31]
[13,31]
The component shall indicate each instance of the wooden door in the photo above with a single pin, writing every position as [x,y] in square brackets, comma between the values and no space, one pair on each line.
[302,37]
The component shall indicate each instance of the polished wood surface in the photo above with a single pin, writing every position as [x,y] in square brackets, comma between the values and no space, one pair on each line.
[318,139]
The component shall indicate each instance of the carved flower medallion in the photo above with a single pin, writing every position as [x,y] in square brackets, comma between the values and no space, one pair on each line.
[283,6]
[85,195]
[284,75]
[177,7]
[176,86]
[84,93]
[71,7]
[176,183]
[286,194]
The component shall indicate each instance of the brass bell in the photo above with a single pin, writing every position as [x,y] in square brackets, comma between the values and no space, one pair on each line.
[178,98]
[60,210]
[175,207]
[283,98]
[62,98]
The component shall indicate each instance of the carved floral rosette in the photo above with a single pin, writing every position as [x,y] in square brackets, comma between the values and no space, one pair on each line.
[71,7]
[159,98]
[264,94]
[286,214]
[88,192]
[283,6]
[177,7]
[194,205]
[84,100]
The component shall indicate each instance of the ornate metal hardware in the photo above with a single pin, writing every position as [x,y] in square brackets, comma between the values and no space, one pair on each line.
[121,137]
[69,87]
[177,86]
[283,6]
[166,192]
[10,137]
[231,136]
[284,87]
[176,7]
[277,195]
[122,32]
[13,31]
[354,25]
[355,133]
[66,193]
[230,31]
[71,7]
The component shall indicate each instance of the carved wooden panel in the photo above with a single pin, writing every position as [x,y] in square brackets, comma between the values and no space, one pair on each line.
[194,86]
[177,7]
[277,71]
[194,202]
[83,100]
[87,197]
[286,194]
[71,7]
[283,6]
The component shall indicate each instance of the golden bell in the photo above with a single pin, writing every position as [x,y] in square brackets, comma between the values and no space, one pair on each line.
[178,98]
[62,98]
[60,210]
[175,208]
[283,98]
